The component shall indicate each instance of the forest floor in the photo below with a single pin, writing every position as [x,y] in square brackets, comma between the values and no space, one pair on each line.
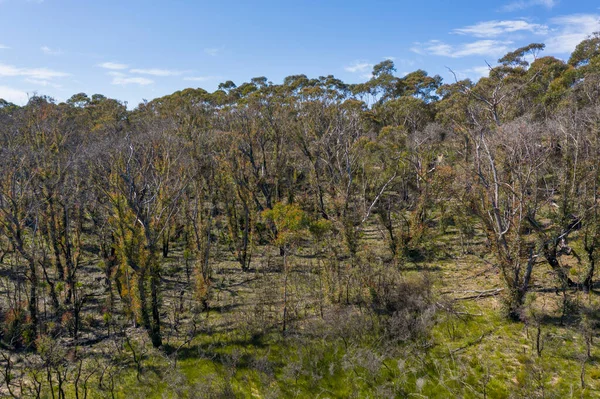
[331,347]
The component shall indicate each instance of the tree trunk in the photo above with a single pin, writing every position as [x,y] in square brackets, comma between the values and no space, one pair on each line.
[244,256]
[165,244]
[155,334]
[33,298]
[552,258]
[141,282]
[285,291]
[588,282]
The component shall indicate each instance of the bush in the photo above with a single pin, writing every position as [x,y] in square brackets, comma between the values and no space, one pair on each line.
[406,307]
[14,327]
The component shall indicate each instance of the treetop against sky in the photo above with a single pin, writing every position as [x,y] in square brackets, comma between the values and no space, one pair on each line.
[134,50]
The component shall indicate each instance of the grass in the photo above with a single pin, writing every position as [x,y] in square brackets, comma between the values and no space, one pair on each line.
[471,351]
[469,355]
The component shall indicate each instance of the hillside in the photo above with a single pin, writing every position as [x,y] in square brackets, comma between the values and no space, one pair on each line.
[402,237]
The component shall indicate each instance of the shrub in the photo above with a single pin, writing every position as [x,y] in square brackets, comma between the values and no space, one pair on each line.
[406,307]
[14,327]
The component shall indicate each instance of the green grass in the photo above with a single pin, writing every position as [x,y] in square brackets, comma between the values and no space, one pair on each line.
[471,350]
[469,355]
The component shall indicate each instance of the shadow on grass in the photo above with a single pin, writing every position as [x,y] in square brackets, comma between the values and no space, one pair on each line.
[415,267]
[224,353]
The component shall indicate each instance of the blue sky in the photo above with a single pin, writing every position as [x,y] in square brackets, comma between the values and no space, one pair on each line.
[133,50]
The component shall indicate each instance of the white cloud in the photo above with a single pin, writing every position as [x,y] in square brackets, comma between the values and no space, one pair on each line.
[498,28]
[122,79]
[156,72]
[479,47]
[405,62]
[200,78]
[481,70]
[213,51]
[478,71]
[523,4]
[359,66]
[48,51]
[434,47]
[570,31]
[3,47]
[482,47]
[42,83]
[13,95]
[115,73]
[125,80]
[33,73]
[474,73]
[113,65]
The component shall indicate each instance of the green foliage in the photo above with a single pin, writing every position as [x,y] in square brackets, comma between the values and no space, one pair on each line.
[319,228]
[411,218]
[586,51]
[14,328]
[290,221]
[517,57]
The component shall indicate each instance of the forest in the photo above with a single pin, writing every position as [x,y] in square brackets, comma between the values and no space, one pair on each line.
[406,237]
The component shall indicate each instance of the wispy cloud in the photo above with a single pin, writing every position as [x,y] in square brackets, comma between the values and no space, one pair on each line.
[405,62]
[113,65]
[213,51]
[126,80]
[42,83]
[363,68]
[3,47]
[13,95]
[115,73]
[571,30]
[359,67]
[156,72]
[120,77]
[32,73]
[490,29]
[480,70]
[200,78]
[475,72]
[560,34]
[48,51]
[479,47]
[523,4]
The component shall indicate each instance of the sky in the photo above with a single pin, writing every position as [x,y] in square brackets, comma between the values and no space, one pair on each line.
[133,50]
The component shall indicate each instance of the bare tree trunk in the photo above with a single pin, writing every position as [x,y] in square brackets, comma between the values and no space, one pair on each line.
[244,255]
[285,291]
[155,334]
[33,298]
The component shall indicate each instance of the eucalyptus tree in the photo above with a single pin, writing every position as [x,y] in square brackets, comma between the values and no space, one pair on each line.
[19,223]
[342,165]
[586,53]
[586,61]
[146,181]
[319,113]
[237,189]
[568,222]
[506,167]
[28,137]
[291,225]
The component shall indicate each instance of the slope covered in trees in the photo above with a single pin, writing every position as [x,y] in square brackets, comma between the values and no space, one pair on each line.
[398,237]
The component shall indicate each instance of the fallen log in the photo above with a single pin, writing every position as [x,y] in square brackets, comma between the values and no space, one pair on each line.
[480,294]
